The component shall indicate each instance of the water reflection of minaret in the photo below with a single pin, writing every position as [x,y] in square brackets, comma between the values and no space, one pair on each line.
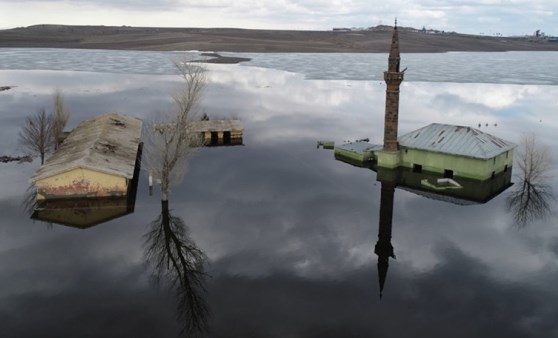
[383,247]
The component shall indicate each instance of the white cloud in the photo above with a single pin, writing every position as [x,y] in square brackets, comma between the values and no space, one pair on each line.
[473,16]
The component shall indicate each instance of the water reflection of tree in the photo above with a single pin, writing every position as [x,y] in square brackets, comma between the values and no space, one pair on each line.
[532,196]
[179,264]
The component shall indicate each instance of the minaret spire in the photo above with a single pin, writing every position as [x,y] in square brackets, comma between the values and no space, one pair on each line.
[393,78]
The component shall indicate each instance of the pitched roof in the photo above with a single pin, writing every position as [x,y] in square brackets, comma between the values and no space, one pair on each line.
[457,140]
[107,143]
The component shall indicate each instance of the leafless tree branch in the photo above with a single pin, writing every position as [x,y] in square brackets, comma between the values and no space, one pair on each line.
[530,200]
[170,137]
[35,135]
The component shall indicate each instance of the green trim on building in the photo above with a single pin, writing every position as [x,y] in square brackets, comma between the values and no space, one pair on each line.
[358,151]
[456,165]
[388,159]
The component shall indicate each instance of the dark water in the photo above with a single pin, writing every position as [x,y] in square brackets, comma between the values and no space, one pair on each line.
[289,232]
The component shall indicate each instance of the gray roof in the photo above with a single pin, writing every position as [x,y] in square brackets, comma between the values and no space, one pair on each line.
[107,143]
[360,147]
[457,140]
[217,125]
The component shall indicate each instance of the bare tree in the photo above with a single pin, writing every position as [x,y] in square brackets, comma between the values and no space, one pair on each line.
[533,159]
[41,132]
[35,135]
[170,137]
[179,264]
[60,118]
[530,200]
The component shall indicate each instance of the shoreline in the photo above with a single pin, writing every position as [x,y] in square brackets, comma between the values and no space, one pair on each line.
[375,40]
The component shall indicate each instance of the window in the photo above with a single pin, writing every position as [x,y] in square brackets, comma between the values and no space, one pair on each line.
[227,137]
[448,173]
[417,168]
[214,138]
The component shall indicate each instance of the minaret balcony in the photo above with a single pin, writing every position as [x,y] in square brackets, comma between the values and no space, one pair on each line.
[393,77]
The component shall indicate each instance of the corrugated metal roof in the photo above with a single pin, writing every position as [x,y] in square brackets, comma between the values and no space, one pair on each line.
[458,140]
[107,143]
[360,147]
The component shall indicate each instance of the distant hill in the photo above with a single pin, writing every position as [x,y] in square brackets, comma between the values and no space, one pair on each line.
[376,39]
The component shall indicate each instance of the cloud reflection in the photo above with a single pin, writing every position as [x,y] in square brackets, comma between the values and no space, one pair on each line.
[289,233]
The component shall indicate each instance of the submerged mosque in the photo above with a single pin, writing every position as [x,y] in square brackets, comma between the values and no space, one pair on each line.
[450,163]
[449,150]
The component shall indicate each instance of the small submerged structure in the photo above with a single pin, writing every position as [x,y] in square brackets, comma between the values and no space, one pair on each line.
[358,152]
[220,132]
[99,158]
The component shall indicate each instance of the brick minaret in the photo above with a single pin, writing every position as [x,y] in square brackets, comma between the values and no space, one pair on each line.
[393,78]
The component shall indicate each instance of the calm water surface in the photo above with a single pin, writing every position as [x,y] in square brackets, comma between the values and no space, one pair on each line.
[288,231]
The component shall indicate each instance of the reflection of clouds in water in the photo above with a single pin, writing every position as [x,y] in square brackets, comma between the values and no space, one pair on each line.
[279,204]
[274,181]
[275,104]
[492,96]
[15,178]
[342,110]
[44,82]
[282,193]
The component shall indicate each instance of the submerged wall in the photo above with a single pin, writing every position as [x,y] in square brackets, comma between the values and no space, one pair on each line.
[81,182]
[461,166]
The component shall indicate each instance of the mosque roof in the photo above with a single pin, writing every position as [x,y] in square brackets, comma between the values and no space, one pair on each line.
[456,140]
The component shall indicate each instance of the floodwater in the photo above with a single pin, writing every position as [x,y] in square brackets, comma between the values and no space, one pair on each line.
[288,232]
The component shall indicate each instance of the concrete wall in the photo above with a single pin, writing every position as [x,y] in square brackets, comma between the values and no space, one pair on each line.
[467,167]
[353,156]
[81,183]
[220,137]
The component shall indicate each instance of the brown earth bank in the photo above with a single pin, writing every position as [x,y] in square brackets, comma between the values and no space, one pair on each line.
[249,40]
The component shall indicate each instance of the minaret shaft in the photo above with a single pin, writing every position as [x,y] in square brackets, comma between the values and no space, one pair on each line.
[393,78]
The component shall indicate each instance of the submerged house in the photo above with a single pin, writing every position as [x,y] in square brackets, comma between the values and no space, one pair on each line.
[100,158]
[220,132]
[445,149]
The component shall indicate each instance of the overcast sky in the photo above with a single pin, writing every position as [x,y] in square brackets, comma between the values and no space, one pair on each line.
[507,17]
